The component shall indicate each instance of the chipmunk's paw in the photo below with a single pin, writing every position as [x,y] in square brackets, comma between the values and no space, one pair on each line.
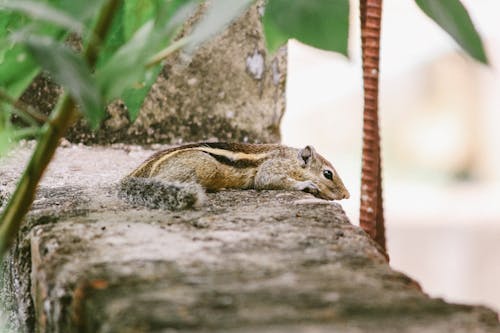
[307,186]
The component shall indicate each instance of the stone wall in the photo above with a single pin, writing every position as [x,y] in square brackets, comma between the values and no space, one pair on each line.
[247,261]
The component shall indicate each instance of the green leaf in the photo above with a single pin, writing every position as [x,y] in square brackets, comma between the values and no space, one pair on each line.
[70,70]
[126,66]
[138,12]
[218,15]
[17,67]
[84,10]
[9,21]
[41,11]
[6,138]
[452,16]
[115,38]
[173,14]
[130,17]
[134,96]
[319,23]
[124,75]
[169,21]
[5,114]
[17,70]
[169,18]
[9,135]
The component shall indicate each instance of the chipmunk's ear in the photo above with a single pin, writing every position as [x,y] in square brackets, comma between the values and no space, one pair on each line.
[305,156]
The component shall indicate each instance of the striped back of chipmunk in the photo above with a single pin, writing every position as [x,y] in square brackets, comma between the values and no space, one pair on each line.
[237,155]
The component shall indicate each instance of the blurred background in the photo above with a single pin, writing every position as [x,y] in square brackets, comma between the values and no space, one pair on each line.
[440,128]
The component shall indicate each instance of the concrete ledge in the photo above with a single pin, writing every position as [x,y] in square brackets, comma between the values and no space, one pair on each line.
[247,261]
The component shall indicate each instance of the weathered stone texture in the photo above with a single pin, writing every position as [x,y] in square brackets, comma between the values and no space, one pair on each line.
[230,90]
[247,261]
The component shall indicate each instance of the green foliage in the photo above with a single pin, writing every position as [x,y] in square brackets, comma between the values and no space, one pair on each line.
[83,11]
[33,33]
[5,133]
[53,18]
[139,30]
[452,16]
[121,70]
[70,70]
[45,12]
[137,13]
[6,139]
[125,74]
[323,24]
[17,69]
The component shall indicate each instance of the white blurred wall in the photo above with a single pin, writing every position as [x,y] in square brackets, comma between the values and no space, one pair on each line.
[440,121]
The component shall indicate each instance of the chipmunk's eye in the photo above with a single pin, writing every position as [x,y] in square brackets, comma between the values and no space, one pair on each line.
[328,174]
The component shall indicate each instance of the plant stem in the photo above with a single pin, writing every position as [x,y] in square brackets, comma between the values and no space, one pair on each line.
[26,132]
[99,32]
[158,57]
[56,126]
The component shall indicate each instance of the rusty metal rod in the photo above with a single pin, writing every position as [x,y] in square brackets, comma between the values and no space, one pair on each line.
[371,217]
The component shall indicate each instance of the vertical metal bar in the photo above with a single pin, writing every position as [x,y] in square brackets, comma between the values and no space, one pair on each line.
[371,208]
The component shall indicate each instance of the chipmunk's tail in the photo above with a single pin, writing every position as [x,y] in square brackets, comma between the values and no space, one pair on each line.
[155,193]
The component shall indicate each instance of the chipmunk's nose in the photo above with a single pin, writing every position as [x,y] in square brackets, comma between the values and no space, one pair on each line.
[346,195]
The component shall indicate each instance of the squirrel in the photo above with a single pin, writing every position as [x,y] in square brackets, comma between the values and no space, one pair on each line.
[177,178]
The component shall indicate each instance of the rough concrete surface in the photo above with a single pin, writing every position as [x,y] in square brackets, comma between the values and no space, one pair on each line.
[230,90]
[247,261]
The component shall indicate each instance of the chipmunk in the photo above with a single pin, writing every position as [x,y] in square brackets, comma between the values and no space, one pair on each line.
[176,178]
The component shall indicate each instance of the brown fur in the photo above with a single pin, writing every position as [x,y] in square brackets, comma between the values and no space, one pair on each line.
[221,165]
